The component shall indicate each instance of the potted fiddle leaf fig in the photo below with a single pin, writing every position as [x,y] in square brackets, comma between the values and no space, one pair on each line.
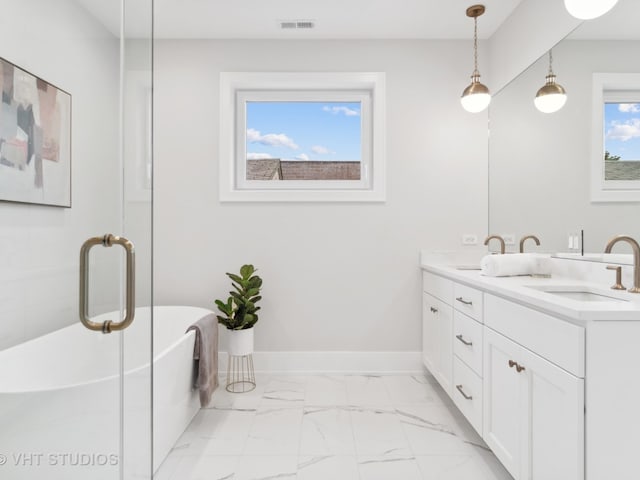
[239,312]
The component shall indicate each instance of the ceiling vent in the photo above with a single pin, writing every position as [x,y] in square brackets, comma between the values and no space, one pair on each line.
[297,24]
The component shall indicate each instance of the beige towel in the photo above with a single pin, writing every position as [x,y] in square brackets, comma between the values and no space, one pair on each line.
[205,352]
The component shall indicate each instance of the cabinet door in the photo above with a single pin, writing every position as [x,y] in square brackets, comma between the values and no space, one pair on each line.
[533,413]
[437,343]
[505,402]
[556,421]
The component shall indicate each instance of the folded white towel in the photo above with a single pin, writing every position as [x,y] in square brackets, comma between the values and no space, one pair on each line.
[515,264]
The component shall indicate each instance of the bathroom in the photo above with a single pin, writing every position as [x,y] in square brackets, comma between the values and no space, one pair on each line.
[147,129]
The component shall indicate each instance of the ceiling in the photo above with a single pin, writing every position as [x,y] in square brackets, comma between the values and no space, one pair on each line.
[334,19]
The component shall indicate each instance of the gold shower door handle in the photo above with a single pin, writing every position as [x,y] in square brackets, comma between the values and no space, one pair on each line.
[108,326]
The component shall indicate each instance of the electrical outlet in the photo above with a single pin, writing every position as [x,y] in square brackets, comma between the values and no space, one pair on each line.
[509,238]
[469,239]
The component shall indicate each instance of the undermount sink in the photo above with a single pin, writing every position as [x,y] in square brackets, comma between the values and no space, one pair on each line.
[577,292]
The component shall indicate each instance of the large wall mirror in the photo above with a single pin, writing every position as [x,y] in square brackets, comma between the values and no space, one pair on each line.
[539,164]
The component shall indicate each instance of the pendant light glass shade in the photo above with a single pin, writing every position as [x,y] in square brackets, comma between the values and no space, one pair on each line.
[476,97]
[551,97]
[589,9]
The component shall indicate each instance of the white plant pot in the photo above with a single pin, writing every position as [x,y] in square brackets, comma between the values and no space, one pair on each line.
[240,342]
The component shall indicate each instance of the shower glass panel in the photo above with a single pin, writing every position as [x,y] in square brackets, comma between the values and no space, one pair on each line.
[75,403]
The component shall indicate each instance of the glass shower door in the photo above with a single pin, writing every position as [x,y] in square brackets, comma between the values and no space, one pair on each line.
[75,163]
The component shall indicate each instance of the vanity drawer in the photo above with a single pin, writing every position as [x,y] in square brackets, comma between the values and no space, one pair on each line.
[468,300]
[467,393]
[554,339]
[467,341]
[439,287]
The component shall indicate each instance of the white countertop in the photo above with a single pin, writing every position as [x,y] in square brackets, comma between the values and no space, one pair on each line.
[516,289]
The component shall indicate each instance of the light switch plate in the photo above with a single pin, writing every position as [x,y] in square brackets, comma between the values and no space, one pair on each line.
[469,239]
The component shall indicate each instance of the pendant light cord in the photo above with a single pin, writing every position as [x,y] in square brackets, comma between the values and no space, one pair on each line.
[475,46]
[550,62]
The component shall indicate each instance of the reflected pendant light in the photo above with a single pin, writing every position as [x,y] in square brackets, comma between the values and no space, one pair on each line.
[551,97]
[476,96]
[589,9]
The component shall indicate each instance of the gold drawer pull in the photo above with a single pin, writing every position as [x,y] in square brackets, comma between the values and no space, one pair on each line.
[461,338]
[467,397]
[462,300]
[519,368]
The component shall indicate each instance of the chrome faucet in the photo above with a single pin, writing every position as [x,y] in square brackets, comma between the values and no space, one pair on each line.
[490,237]
[636,258]
[523,239]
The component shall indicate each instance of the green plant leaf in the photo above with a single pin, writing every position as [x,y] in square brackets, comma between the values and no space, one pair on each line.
[246,271]
[235,278]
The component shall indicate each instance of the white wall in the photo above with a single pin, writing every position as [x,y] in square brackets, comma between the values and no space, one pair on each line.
[39,245]
[540,164]
[336,276]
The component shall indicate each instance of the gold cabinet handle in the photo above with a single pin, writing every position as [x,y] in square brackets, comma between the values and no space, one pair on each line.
[519,368]
[461,338]
[107,326]
[467,397]
[462,300]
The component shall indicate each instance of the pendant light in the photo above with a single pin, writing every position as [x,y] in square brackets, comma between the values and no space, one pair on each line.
[589,9]
[551,97]
[476,96]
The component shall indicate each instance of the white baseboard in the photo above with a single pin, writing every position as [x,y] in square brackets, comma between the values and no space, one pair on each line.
[384,363]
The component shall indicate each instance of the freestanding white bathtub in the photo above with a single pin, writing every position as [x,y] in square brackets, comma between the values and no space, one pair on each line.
[60,397]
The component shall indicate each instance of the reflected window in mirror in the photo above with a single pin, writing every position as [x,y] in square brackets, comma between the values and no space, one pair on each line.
[616,138]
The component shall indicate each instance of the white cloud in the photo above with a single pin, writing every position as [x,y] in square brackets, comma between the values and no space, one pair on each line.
[349,112]
[320,150]
[629,107]
[624,130]
[302,156]
[258,156]
[270,139]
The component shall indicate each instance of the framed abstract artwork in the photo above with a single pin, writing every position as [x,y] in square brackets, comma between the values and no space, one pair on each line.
[35,139]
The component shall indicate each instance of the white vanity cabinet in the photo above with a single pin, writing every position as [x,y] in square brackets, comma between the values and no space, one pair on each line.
[452,342]
[533,412]
[516,373]
[437,328]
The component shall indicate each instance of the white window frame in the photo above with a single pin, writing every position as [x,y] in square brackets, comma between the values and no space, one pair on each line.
[608,88]
[237,88]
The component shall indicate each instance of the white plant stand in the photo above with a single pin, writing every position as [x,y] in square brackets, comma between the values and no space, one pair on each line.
[241,376]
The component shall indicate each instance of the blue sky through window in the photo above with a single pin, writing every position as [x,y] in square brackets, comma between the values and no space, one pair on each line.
[304,130]
[622,130]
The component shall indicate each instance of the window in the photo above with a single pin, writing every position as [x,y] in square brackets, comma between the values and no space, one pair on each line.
[302,137]
[615,164]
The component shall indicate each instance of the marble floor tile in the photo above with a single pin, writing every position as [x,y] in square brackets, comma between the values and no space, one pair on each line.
[284,391]
[389,468]
[325,390]
[366,390]
[275,431]
[266,467]
[218,467]
[217,432]
[407,389]
[333,427]
[344,467]
[438,430]
[455,467]
[326,431]
[378,432]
